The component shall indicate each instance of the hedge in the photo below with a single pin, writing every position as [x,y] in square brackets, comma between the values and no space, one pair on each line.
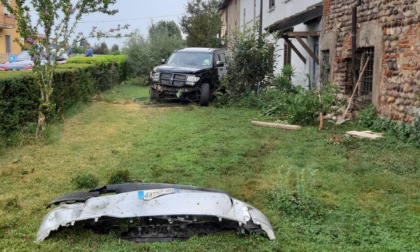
[75,81]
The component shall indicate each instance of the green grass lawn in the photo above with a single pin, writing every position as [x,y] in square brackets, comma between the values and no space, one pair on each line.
[321,190]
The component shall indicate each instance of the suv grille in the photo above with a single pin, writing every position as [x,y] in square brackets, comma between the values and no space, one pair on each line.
[177,80]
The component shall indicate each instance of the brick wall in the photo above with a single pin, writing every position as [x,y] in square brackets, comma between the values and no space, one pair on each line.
[397,37]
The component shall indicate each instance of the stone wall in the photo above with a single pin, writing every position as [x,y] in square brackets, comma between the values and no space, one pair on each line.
[392,27]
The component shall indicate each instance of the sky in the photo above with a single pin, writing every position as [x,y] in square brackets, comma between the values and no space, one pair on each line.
[139,14]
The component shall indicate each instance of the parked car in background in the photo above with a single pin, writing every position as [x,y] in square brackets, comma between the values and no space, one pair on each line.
[23,61]
[189,74]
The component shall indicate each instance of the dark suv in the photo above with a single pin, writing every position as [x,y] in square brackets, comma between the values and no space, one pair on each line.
[189,74]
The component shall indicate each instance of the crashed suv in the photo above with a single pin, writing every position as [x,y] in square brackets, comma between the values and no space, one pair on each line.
[191,74]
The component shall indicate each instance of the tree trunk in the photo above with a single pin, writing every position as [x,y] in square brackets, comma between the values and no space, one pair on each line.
[40,128]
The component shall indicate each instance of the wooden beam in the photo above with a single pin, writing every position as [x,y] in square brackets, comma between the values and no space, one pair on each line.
[303,34]
[294,48]
[277,125]
[364,134]
[308,50]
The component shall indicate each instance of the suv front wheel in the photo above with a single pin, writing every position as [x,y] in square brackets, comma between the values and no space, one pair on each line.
[154,95]
[205,94]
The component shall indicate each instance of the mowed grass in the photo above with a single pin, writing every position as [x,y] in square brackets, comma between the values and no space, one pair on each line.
[320,190]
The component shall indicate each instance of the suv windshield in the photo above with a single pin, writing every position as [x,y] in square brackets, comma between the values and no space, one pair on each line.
[191,59]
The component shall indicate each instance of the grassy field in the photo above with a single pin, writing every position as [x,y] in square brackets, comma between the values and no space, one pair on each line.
[321,190]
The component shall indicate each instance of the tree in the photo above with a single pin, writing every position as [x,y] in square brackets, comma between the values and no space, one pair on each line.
[115,50]
[164,38]
[168,27]
[145,53]
[57,19]
[78,49]
[100,48]
[137,49]
[202,23]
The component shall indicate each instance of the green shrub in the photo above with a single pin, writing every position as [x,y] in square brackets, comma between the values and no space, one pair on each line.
[108,69]
[283,82]
[250,66]
[85,180]
[74,82]
[367,116]
[402,131]
[415,137]
[119,176]
[18,100]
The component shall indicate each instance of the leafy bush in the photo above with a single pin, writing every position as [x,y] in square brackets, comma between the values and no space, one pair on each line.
[367,116]
[415,137]
[119,176]
[250,66]
[283,82]
[73,82]
[281,98]
[18,100]
[85,180]
[402,131]
[304,107]
[108,70]
[299,106]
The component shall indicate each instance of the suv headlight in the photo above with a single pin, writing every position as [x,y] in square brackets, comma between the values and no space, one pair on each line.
[155,76]
[191,80]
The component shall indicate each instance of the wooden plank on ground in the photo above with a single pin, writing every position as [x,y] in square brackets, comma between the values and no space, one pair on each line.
[277,125]
[364,134]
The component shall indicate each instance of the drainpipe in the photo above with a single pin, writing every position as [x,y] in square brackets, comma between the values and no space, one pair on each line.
[353,41]
[261,18]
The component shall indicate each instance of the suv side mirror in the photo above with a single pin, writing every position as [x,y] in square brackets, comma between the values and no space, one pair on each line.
[163,61]
[220,63]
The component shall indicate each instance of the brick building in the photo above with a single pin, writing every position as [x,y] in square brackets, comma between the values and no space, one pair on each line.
[387,37]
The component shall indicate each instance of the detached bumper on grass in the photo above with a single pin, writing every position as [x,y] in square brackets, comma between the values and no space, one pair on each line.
[144,212]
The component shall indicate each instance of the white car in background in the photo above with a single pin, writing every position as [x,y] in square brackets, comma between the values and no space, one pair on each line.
[23,61]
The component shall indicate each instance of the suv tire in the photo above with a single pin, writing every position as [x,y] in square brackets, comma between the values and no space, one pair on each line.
[205,94]
[153,94]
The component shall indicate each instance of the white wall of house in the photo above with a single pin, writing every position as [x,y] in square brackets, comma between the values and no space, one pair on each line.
[250,12]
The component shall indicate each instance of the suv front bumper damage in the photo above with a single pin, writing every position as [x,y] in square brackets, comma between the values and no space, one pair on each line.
[174,91]
[145,212]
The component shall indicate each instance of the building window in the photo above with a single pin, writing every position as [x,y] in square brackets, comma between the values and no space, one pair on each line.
[287,54]
[364,91]
[271,4]
[8,44]
[367,81]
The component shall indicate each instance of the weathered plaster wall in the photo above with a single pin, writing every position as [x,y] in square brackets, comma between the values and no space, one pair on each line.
[392,27]
[284,9]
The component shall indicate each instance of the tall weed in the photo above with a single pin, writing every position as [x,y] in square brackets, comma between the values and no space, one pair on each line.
[294,193]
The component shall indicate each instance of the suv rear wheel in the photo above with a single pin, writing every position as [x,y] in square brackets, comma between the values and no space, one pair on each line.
[205,94]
